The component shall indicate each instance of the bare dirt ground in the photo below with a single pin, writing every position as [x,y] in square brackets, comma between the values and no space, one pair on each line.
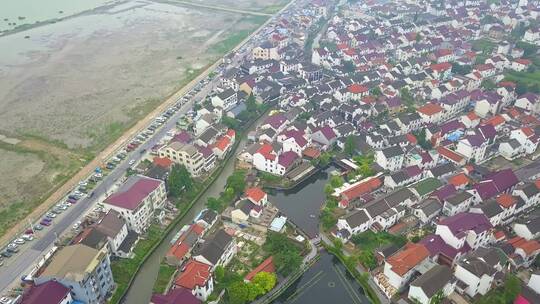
[74,87]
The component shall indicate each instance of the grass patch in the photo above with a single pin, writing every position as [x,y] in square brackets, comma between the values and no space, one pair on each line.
[39,188]
[164,277]
[231,41]
[483,45]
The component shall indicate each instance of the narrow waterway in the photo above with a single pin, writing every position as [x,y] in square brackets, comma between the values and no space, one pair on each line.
[302,204]
[141,289]
[327,281]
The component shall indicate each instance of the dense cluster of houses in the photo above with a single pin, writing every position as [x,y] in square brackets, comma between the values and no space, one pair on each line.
[413,50]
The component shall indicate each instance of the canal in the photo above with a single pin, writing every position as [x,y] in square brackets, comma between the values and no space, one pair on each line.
[140,291]
[327,281]
[302,204]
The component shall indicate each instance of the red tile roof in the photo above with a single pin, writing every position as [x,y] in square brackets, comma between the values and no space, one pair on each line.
[523,61]
[266,150]
[495,121]
[362,188]
[194,274]
[405,260]
[256,194]
[223,143]
[231,133]
[357,88]
[162,162]
[439,67]
[529,247]
[266,266]
[430,109]
[459,180]
[505,200]
[449,154]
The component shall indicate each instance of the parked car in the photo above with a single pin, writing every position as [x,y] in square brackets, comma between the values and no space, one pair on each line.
[6,254]
[50,215]
[27,237]
[38,227]
[45,223]
[13,249]
[131,162]
[29,231]
[19,241]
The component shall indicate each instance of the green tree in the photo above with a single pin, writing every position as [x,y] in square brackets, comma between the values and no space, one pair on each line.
[266,280]
[288,261]
[350,145]
[488,85]
[512,288]
[230,122]
[437,298]
[367,258]
[238,293]
[219,273]
[237,181]
[255,291]
[251,103]
[328,189]
[325,158]
[461,69]
[179,180]
[349,66]
[214,204]
[328,220]
[336,181]
[376,91]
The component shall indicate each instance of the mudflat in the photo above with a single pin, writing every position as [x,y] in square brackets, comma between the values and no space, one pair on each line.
[75,85]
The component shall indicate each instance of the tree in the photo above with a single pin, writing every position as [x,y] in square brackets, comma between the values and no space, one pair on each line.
[288,261]
[376,91]
[214,204]
[328,219]
[461,69]
[336,181]
[325,158]
[179,180]
[219,273]
[328,189]
[237,181]
[255,290]
[230,122]
[437,298]
[238,293]
[367,259]
[266,280]
[350,145]
[349,66]
[421,138]
[251,103]
[488,85]
[512,288]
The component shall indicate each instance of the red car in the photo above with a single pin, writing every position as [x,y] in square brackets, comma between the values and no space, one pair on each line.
[29,231]
[45,223]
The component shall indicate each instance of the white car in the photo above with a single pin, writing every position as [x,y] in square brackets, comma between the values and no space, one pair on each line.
[131,162]
[19,241]
[6,300]
[28,237]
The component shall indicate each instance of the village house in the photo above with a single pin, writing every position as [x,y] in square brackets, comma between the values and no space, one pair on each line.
[137,201]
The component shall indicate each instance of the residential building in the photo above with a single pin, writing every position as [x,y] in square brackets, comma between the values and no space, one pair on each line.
[137,201]
[186,155]
[390,158]
[438,279]
[197,277]
[217,250]
[84,270]
[50,292]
